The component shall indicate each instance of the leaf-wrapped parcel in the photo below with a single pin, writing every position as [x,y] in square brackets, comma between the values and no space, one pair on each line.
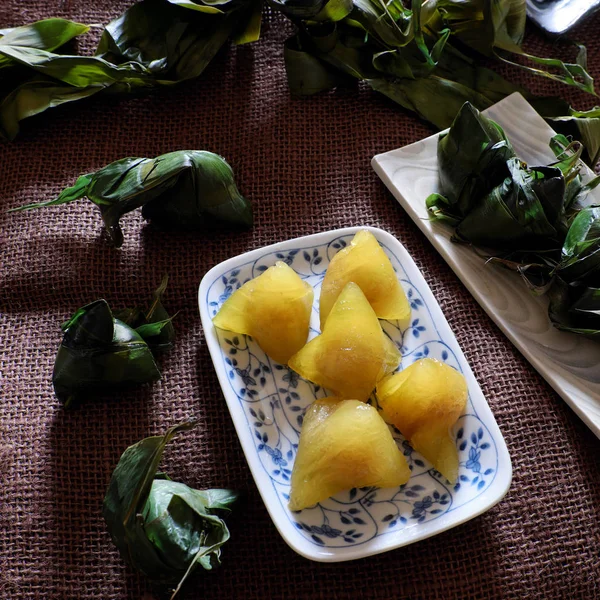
[161,527]
[539,221]
[101,351]
[493,198]
[184,190]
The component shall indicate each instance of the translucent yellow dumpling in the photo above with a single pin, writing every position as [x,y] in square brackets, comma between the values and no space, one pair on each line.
[343,444]
[274,308]
[352,354]
[424,401]
[365,263]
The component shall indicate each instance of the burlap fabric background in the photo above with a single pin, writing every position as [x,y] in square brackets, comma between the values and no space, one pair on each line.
[305,165]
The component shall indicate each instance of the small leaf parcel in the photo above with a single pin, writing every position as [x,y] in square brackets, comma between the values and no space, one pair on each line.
[100,351]
[162,527]
[182,190]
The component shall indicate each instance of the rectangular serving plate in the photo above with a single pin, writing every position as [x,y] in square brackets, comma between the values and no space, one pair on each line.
[568,362]
[267,401]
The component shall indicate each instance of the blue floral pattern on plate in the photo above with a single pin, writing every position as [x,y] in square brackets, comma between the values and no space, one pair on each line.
[273,398]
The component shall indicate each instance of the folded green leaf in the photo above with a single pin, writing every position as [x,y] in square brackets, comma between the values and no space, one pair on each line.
[48,34]
[153,323]
[520,213]
[154,43]
[580,255]
[78,71]
[249,31]
[307,74]
[481,24]
[417,95]
[162,527]
[185,190]
[584,126]
[35,96]
[471,158]
[102,350]
[99,351]
[575,309]
[170,41]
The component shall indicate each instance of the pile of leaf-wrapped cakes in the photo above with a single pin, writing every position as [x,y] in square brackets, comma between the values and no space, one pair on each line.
[345,442]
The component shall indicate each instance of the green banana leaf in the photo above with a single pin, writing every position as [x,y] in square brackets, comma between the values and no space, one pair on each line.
[78,71]
[161,527]
[183,190]
[34,96]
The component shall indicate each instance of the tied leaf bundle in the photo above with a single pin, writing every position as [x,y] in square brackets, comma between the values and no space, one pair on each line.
[183,190]
[154,43]
[540,221]
[102,350]
[161,527]
[427,58]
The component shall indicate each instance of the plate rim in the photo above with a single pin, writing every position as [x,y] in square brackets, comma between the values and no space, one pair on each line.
[434,239]
[485,502]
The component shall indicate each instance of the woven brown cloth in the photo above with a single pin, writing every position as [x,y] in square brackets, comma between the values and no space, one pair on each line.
[305,163]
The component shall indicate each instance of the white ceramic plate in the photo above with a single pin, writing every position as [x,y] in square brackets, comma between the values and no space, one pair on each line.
[569,363]
[267,401]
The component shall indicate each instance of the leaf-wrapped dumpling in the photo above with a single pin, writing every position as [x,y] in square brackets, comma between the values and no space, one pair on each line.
[162,527]
[102,350]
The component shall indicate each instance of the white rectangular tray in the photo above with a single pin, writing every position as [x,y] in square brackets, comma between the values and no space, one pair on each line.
[267,402]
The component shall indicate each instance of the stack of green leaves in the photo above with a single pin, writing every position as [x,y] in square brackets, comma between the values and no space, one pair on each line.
[106,350]
[538,220]
[183,190]
[154,43]
[162,527]
[428,58]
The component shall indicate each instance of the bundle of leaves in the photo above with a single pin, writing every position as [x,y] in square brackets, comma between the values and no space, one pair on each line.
[162,527]
[154,43]
[102,350]
[428,58]
[540,221]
